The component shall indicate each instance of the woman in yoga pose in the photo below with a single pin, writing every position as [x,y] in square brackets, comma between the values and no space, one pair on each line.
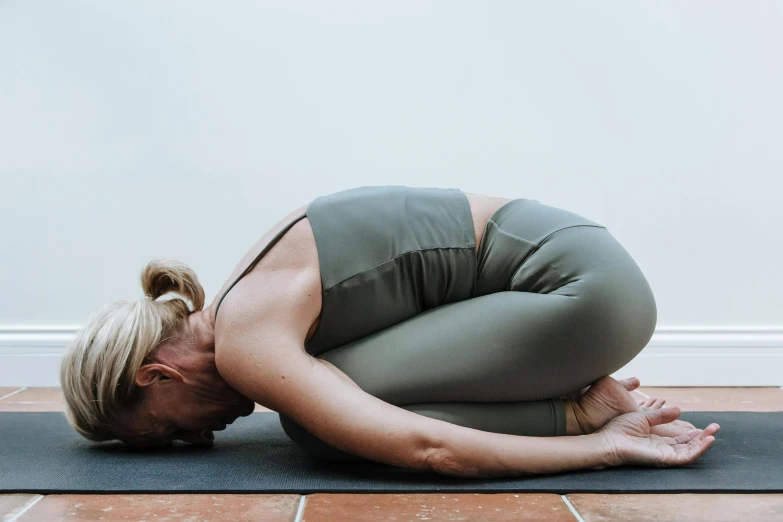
[424,328]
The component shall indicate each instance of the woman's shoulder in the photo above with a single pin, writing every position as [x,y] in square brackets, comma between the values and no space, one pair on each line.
[293,239]
[266,300]
[285,281]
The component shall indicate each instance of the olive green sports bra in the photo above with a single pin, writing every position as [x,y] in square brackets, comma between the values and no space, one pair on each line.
[385,253]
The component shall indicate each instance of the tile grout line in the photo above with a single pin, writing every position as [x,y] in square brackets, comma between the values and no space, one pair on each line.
[13,393]
[300,511]
[572,508]
[24,509]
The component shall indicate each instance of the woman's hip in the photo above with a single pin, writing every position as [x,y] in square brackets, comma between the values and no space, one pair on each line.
[532,247]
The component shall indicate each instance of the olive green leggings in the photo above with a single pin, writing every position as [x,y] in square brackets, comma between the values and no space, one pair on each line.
[559,303]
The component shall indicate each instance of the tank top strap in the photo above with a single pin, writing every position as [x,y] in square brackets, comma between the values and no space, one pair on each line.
[261,254]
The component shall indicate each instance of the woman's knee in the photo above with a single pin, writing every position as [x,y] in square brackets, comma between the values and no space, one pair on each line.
[591,266]
[619,314]
[611,311]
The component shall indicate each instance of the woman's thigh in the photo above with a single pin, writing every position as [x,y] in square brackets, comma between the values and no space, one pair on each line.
[559,303]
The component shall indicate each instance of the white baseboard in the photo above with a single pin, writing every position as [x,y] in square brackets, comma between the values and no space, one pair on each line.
[710,356]
[30,355]
[675,356]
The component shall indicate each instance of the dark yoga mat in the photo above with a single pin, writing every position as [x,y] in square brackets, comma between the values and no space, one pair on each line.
[41,453]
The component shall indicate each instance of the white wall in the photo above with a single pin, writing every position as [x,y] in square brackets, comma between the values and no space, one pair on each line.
[131,130]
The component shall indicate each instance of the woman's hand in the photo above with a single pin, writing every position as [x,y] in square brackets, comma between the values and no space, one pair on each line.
[671,429]
[629,440]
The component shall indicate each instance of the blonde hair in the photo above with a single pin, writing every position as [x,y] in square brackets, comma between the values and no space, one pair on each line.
[99,369]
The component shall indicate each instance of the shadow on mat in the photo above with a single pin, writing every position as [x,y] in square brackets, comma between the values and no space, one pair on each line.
[175,448]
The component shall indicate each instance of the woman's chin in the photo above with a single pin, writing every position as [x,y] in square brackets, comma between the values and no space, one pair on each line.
[245,408]
[251,407]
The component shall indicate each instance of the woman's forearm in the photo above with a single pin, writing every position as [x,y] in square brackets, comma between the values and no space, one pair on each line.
[466,452]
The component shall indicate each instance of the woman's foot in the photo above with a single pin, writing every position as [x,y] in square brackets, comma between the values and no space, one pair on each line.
[602,401]
[652,403]
[594,406]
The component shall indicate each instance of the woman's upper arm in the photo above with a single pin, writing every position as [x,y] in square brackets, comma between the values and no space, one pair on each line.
[325,402]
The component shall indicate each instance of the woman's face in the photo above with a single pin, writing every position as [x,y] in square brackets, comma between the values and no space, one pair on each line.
[181,393]
[189,410]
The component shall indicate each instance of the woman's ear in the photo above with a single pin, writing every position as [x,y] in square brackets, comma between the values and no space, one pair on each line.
[157,373]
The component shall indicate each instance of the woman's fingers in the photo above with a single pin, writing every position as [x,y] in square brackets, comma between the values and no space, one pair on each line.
[682,439]
[692,449]
[698,446]
[712,429]
[661,416]
[697,433]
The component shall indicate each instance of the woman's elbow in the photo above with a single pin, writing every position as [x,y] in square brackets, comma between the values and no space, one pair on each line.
[443,462]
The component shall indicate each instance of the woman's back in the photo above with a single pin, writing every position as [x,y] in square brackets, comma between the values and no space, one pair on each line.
[382,255]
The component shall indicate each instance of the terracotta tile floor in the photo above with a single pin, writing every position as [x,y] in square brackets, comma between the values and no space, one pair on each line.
[412,506]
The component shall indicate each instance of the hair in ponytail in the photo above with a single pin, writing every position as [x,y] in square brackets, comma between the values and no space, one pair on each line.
[100,366]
